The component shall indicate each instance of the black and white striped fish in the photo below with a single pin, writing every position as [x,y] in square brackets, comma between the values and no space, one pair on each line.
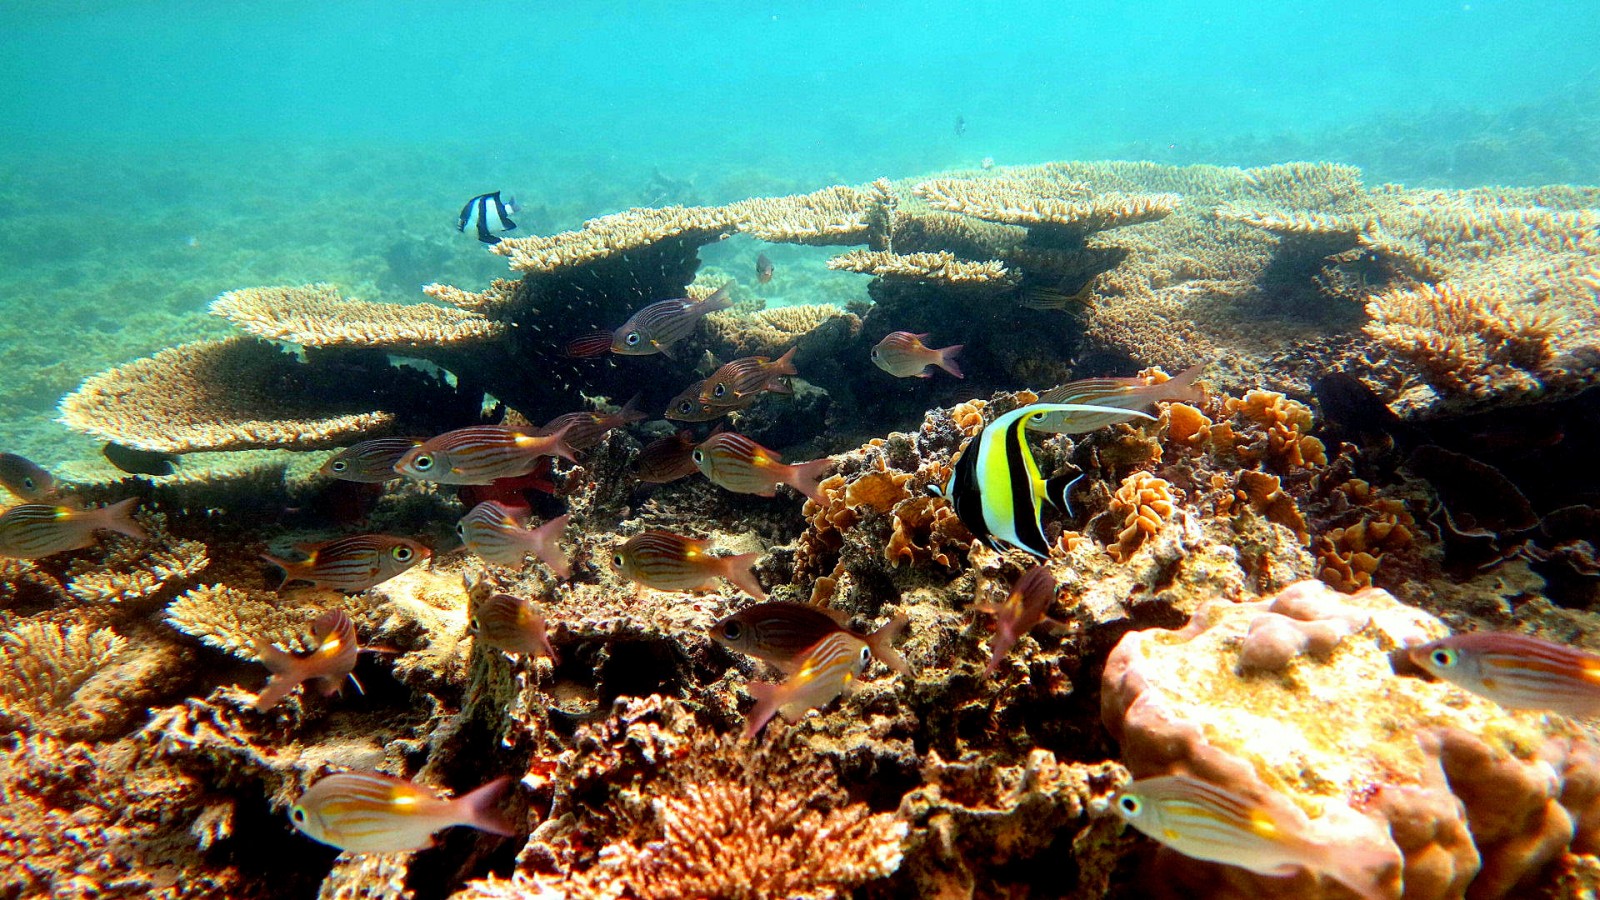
[487,214]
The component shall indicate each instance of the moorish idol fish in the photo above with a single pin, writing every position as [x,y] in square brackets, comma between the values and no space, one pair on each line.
[487,213]
[996,487]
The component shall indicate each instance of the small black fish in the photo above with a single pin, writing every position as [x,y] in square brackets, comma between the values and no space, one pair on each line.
[763,268]
[487,213]
[25,478]
[140,462]
[1352,409]
[961,125]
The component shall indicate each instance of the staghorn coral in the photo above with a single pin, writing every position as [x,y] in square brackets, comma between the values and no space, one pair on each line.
[941,266]
[499,295]
[1068,206]
[43,664]
[232,394]
[315,315]
[609,236]
[769,331]
[232,620]
[833,215]
[126,571]
[1485,796]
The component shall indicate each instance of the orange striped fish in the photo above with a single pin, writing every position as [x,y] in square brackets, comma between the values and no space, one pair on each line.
[1201,820]
[1132,394]
[333,660]
[667,459]
[351,564]
[494,533]
[1022,609]
[481,454]
[827,670]
[1516,671]
[512,625]
[781,633]
[366,812]
[33,530]
[748,376]
[743,466]
[688,407]
[655,328]
[583,430]
[672,562]
[369,462]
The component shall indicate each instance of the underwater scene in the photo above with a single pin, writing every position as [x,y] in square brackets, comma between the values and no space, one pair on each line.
[500,451]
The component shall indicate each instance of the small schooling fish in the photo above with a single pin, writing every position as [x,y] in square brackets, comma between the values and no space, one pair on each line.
[743,466]
[1516,671]
[1023,609]
[582,430]
[366,812]
[672,562]
[329,664]
[667,459]
[140,462]
[825,671]
[495,533]
[351,564]
[512,625]
[35,530]
[748,377]
[369,462]
[658,326]
[903,355]
[688,407]
[481,454]
[996,487]
[487,214]
[763,269]
[961,125]
[1199,819]
[1131,394]
[26,479]
[781,633]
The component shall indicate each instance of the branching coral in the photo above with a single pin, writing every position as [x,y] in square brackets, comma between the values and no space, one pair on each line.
[43,664]
[129,571]
[618,233]
[235,394]
[833,215]
[769,331]
[941,266]
[317,316]
[1068,206]
[1466,342]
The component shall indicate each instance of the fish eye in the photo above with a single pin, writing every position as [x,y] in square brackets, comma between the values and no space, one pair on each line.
[617,560]
[685,407]
[298,814]
[865,655]
[1130,805]
[422,463]
[632,339]
[874,352]
[732,630]
[698,456]
[719,390]
[461,530]
[339,465]
[28,483]
[1443,657]
[401,554]
[473,626]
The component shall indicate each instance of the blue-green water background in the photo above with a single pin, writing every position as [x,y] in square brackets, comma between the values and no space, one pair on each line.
[158,153]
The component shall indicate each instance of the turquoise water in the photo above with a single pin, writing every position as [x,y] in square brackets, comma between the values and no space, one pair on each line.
[159,153]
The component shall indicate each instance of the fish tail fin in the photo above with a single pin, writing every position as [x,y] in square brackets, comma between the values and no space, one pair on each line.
[998,648]
[882,644]
[559,446]
[769,697]
[632,411]
[947,360]
[784,365]
[290,569]
[741,571]
[1368,871]
[718,300]
[805,477]
[1055,490]
[480,808]
[118,517]
[545,543]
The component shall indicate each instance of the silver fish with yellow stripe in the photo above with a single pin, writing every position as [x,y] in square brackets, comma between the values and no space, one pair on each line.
[481,454]
[494,533]
[34,530]
[1516,671]
[996,487]
[1204,821]
[512,625]
[353,563]
[329,664]
[672,562]
[366,812]
[827,670]
[743,466]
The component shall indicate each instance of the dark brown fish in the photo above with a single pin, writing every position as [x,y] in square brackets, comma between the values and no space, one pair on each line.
[688,407]
[586,429]
[328,665]
[512,625]
[763,269]
[25,478]
[667,459]
[369,462]
[747,378]
[780,633]
[140,462]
